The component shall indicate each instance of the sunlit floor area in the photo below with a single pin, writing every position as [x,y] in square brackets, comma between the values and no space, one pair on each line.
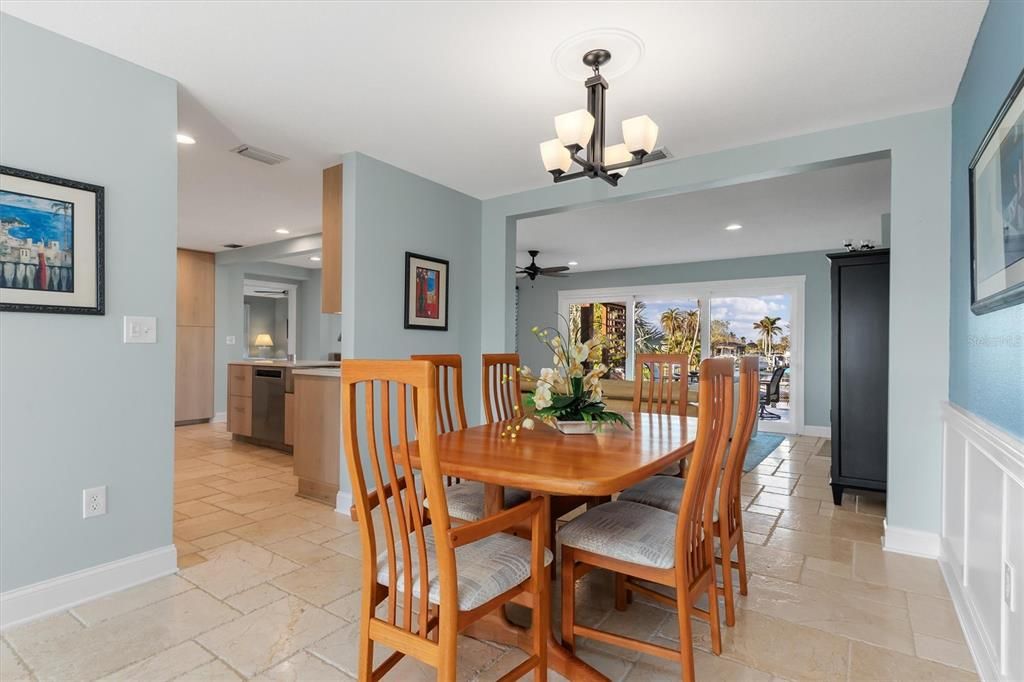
[269,589]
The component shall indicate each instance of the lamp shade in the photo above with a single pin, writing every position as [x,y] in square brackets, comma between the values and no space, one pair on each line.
[574,128]
[555,156]
[640,133]
[617,153]
[263,341]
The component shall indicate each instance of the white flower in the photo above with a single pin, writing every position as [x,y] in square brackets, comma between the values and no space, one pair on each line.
[556,342]
[528,424]
[580,352]
[542,396]
[525,372]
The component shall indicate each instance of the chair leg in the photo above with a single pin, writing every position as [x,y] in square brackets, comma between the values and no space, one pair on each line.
[741,560]
[541,622]
[621,593]
[365,643]
[685,636]
[448,647]
[568,598]
[715,618]
[730,612]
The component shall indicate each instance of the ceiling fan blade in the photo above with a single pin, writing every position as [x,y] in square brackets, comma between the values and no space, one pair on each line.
[554,268]
[553,274]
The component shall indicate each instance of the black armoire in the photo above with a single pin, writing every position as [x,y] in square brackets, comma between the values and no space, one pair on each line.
[860,370]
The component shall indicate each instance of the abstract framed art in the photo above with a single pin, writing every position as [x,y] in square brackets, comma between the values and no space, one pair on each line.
[426,292]
[996,176]
[51,244]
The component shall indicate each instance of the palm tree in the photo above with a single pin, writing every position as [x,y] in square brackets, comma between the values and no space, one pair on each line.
[693,333]
[672,321]
[648,338]
[768,328]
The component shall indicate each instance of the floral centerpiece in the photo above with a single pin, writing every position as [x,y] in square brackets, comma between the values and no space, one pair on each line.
[568,396]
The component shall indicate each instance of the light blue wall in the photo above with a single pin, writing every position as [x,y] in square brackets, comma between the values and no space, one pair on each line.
[317,332]
[538,303]
[79,408]
[918,145]
[986,352]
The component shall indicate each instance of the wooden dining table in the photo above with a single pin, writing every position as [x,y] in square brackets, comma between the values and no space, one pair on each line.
[551,464]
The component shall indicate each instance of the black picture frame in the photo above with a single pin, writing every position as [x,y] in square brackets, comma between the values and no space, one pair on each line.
[444,282]
[1014,294]
[99,305]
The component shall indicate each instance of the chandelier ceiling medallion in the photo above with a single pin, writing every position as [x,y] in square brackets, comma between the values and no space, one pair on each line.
[584,129]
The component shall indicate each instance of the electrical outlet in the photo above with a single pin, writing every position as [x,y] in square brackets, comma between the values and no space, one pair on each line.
[94,501]
[1008,588]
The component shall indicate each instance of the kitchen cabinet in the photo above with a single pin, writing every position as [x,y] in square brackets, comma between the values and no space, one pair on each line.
[331,228]
[289,418]
[193,397]
[317,433]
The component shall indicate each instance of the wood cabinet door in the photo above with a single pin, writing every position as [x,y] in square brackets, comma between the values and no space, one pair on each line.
[317,429]
[193,377]
[240,380]
[330,281]
[196,288]
[289,418]
[240,415]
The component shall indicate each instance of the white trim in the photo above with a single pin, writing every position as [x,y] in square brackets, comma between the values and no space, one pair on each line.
[984,664]
[293,307]
[817,431]
[219,418]
[343,504]
[794,285]
[910,541]
[63,592]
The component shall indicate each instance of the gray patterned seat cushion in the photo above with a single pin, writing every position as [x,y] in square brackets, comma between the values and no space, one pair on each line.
[466,500]
[625,530]
[486,568]
[662,492]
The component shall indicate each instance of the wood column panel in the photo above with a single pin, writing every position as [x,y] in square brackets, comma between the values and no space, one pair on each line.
[196,286]
[330,292]
[193,378]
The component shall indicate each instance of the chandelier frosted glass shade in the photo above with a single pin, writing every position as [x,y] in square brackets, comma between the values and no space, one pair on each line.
[640,134]
[575,128]
[617,153]
[555,156]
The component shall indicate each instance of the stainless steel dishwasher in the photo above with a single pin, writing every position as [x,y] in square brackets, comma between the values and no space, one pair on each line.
[268,386]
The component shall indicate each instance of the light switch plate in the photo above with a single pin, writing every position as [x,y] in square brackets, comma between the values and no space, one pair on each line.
[230,340]
[139,329]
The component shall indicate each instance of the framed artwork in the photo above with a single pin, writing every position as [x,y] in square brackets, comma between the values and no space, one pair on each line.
[426,292]
[51,244]
[997,209]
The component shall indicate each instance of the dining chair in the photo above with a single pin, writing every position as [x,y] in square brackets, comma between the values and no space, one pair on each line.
[465,498]
[436,579]
[502,399]
[639,542]
[659,371]
[665,493]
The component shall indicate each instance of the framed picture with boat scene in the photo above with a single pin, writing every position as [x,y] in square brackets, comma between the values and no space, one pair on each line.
[996,177]
[426,292]
[51,244]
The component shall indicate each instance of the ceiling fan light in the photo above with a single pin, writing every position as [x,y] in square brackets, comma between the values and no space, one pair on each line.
[574,128]
[640,134]
[617,153]
[555,156]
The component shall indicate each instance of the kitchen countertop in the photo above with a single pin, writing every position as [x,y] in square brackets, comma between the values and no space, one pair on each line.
[288,363]
[334,372]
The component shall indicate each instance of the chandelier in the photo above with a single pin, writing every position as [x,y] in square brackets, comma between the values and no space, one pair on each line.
[584,129]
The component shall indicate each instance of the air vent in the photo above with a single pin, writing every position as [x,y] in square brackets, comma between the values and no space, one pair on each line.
[232,246]
[257,154]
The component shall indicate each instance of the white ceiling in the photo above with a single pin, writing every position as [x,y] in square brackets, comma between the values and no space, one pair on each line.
[300,261]
[810,211]
[462,93]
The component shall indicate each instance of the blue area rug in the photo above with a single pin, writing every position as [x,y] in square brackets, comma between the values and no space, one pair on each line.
[761,445]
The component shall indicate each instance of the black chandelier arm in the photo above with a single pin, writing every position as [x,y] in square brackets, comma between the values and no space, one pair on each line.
[637,161]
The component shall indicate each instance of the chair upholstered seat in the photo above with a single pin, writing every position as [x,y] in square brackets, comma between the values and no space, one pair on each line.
[466,500]
[661,492]
[486,568]
[628,531]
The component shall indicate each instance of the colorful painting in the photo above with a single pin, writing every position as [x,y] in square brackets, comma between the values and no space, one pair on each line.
[51,244]
[426,292]
[997,209]
[36,242]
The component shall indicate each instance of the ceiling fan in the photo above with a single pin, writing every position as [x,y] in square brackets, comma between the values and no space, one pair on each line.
[532,270]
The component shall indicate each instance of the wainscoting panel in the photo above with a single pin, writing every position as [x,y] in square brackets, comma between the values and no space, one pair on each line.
[982,553]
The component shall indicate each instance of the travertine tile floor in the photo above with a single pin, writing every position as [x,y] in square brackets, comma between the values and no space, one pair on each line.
[269,587]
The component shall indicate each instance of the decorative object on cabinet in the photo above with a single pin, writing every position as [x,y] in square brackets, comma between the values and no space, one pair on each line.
[860,370]
[996,177]
[426,292]
[51,244]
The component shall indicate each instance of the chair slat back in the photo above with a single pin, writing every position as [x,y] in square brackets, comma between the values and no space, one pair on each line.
[501,398]
[747,405]
[665,392]
[382,477]
[695,550]
[451,410]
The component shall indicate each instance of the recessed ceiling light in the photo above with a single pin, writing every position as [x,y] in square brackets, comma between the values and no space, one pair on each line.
[315,258]
[733,227]
[185,139]
[573,264]
[282,230]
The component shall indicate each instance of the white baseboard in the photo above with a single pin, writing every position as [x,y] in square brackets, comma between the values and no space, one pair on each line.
[219,418]
[343,504]
[817,431]
[910,541]
[63,592]
[984,663]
